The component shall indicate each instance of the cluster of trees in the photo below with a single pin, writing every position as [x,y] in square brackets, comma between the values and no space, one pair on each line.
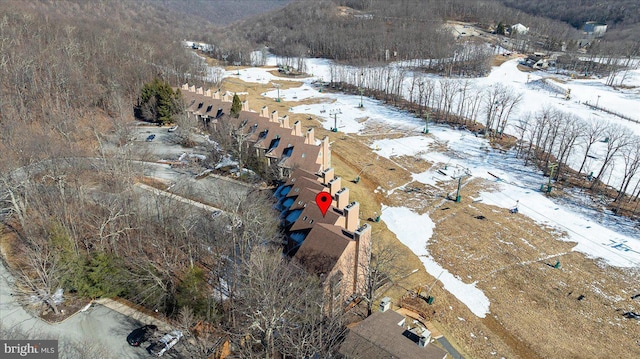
[159,103]
[100,238]
[616,13]
[71,70]
[379,32]
[553,136]
[374,32]
[550,135]
[443,99]
[220,12]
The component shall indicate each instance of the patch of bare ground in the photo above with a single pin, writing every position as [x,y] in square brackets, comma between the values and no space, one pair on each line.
[535,311]
[498,60]
[386,173]
[257,101]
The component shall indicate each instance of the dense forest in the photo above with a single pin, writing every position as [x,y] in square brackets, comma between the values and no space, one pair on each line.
[72,212]
[219,12]
[69,66]
[621,16]
[374,32]
[366,32]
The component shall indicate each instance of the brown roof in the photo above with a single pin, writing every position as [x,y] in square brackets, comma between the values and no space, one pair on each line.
[380,337]
[206,106]
[304,197]
[301,173]
[301,183]
[303,155]
[299,153]
[311,215]
[322,248]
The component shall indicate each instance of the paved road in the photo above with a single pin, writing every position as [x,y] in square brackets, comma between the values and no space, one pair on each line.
[448,347]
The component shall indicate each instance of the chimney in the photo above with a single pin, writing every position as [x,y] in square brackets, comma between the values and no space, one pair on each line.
[192,88]
[216,95]
[226,97]
[327,175]
[334,186]
[425,337]
[245,105]
[185,87]
[297,129]
[208,93]
[385,304]
[274,116]
[352,214]
[284,122]
[309,137]
[324,156]
[200,91]
[342,198]
[264,112]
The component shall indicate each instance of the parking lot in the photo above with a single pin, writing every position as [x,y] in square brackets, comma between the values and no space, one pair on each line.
[163,145]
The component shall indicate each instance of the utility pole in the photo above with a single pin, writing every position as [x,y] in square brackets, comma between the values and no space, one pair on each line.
[459,178]
[458,197]
[335,119]
[552,168]
[277,86]
[426,123]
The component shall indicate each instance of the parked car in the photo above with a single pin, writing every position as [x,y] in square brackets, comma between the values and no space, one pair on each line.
[141,335]
[151,137]
[165,343]
[173,128]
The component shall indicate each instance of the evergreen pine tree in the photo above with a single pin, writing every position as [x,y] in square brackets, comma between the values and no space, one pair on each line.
[236,106]
[158,102]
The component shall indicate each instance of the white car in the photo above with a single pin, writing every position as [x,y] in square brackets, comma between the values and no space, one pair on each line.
[165,343]
[173,128]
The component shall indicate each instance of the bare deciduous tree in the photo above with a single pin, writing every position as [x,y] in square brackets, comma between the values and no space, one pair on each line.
[381,269]
[616,138]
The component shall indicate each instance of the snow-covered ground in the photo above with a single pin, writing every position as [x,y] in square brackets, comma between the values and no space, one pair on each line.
[597,234]
[414,230]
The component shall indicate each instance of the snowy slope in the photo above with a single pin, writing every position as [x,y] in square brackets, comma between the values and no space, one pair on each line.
[597,234]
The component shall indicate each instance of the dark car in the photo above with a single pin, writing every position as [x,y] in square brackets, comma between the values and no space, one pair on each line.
[151,137]
[141,335]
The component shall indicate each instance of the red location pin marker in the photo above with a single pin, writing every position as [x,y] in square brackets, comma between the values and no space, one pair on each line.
[323,200]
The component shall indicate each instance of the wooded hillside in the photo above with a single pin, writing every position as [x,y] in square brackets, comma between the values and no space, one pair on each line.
[220,12]
[621,16]
[368,32]
[66,62]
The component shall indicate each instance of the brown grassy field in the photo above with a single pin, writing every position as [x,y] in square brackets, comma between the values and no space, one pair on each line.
[535,311]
